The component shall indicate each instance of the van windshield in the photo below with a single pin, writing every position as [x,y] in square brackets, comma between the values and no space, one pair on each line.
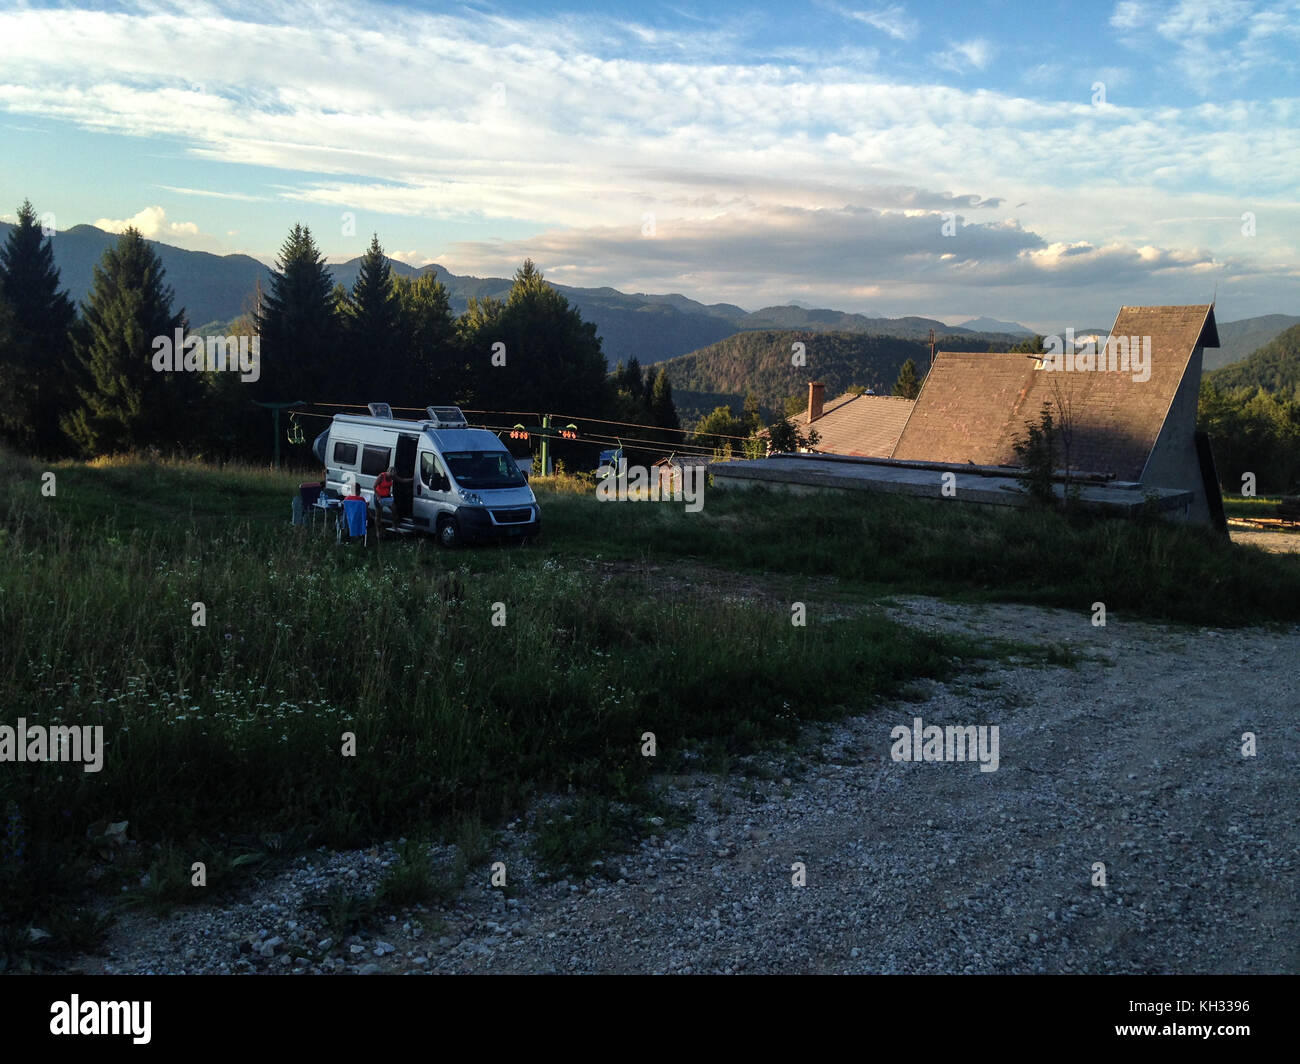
[484,469]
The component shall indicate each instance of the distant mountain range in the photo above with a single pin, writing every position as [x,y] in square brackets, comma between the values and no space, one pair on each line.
[210,287]
[994,326]
[214,289]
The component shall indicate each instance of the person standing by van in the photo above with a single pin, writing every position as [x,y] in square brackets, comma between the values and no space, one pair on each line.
[384,497]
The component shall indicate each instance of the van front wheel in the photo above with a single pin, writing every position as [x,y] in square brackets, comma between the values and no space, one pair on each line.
[449,533]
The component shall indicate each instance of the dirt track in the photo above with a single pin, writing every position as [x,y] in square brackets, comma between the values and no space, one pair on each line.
[1132,758]
[1273,542]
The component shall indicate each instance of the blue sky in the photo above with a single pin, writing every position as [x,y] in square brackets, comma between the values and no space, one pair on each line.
[1041,162]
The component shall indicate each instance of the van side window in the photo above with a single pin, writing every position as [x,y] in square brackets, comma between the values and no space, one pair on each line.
[345,453]
[374,460]
[431,471]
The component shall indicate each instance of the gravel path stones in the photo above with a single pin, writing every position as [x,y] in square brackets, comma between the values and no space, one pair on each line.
[1132,758]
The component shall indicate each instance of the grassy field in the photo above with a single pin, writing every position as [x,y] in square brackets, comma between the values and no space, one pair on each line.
[1251,505]
[892,543]
[225,742]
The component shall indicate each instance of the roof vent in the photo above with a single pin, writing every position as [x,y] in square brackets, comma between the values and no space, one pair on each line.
[446,417]
[380,410]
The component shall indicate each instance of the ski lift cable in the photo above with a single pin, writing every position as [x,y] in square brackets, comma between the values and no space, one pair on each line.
[693,450]
[571,417]
[601,438]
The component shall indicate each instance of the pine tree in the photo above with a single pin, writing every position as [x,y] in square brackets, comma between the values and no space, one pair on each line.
[125,402]
[36,352]
[299,326]
[907,384]
[663,414]
[17,382]
[1033,346]
[553,360]
[720,429]
[784,437]
[435,356]
[478,330]
[8,340]
[375,346]
[528,282]
[634,382]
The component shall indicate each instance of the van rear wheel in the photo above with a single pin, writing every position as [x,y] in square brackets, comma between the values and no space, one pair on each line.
[449,533]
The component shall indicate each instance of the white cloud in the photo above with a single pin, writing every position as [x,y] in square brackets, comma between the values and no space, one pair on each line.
[1129,15]
[891,19]
[411,258]
[1214,41]
[833,257]
[372,108]
[151,222]
[1197,19]
[239,196]
[961,55]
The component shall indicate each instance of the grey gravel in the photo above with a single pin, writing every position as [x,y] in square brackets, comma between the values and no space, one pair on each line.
[1132,758]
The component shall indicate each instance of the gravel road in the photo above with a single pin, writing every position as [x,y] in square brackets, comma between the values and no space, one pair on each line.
[1273,542]
[1132,758]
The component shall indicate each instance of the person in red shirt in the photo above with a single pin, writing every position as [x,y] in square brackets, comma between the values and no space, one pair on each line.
[384,495]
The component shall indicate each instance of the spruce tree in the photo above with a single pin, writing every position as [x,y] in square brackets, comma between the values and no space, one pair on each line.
[35,353]
[299,327]
[375,349]
[663,413]
[553,359]
[635,382]
[125,402]
[434,360]
[17,383]
[907,384]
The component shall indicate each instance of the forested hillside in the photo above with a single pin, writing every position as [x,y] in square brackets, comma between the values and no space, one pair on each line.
[1274,367]
[760,363]
[1240,339]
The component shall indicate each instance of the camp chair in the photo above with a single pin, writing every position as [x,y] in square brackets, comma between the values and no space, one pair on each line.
[353,521]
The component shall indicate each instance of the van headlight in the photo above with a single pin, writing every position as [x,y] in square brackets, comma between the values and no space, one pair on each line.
[471,497]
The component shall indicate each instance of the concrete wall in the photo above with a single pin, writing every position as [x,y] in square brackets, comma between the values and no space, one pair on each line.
[1173,462]
[804,475]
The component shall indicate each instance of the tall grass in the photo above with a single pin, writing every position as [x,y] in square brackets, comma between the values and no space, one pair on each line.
[237,727]
[1148,568]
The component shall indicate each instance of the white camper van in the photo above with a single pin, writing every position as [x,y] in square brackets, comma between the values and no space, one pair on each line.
[457,483]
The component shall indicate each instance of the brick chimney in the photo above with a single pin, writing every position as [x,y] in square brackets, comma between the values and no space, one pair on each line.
[816,399]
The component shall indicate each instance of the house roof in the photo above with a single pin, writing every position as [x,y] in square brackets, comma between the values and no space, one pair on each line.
[865,426]
[682,460]
[972,406]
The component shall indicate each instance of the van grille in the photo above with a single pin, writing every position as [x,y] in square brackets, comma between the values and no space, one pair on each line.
[512,516]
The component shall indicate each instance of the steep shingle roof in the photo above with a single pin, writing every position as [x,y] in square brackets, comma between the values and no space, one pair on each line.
[972,406]
[866,426]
